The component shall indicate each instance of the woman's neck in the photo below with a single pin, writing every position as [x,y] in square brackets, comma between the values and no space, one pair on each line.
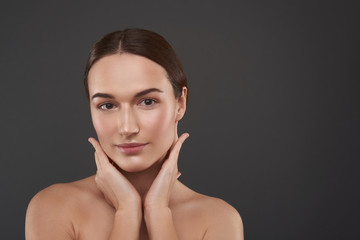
[143,180]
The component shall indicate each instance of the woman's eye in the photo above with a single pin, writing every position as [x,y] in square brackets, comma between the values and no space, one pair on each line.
[106,106]
[147,102]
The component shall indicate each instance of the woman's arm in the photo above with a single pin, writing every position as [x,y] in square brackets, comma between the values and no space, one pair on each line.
[160,224]
[126,225]
[157,213]
[119,193]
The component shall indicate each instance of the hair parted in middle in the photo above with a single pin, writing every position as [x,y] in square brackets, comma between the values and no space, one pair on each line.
[143,43]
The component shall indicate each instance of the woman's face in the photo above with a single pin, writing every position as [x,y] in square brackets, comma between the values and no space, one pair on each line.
[134,110]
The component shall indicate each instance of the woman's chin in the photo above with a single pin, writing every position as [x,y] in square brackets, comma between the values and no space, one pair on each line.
[133,166]
[134,169]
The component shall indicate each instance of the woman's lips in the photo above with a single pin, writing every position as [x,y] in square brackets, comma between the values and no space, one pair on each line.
[131,148]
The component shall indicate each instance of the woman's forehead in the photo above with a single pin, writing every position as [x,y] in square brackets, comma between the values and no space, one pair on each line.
[127,73]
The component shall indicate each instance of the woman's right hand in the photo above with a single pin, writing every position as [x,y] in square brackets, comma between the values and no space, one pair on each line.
[118,191]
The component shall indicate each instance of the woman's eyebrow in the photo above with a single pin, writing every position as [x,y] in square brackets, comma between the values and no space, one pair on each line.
[102,95]
[147,91]
[139,94]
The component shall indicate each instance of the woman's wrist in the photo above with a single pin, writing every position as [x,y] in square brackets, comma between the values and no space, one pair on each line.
[133,210]
[127,223]
[156,213]
[130,215]
[159,223]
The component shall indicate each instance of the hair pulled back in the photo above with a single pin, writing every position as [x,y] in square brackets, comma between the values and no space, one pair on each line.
[143,43]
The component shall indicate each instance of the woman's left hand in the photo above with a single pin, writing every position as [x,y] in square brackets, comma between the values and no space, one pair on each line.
[159,193]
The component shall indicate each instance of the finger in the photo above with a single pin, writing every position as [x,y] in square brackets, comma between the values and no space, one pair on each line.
[176,131]
[98,165]
[101,154]
[174,154]
[97,160]
[94,143]
[180,142]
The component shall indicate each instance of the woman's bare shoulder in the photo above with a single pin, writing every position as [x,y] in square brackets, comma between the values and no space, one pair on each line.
[224,221]
[219,216]
[214,207]
[66,193]
[57,204]
[206,204]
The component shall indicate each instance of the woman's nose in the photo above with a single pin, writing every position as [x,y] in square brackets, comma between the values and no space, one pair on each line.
[127,122]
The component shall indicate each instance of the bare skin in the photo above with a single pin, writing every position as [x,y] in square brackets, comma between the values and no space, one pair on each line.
[53,214]
[134,195]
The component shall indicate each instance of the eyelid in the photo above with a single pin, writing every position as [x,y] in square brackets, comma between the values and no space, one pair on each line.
[99,106]
[140,102]
[145,98]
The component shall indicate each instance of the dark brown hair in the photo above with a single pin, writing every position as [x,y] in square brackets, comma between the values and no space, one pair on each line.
[143,43]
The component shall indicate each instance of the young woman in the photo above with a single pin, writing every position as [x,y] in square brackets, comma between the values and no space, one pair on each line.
[137,92]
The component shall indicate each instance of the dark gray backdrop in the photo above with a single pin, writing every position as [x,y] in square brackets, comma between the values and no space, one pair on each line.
[273,112]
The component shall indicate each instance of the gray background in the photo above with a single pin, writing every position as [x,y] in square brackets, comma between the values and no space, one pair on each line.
[273,112]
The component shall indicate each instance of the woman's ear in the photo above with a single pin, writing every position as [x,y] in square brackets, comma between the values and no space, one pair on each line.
[181,104]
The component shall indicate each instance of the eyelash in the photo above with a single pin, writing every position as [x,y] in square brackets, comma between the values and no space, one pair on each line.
[152,100]
[104,104]
[143,100]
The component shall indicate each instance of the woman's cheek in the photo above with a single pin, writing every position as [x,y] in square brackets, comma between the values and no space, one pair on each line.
[160,127]
[103,126]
